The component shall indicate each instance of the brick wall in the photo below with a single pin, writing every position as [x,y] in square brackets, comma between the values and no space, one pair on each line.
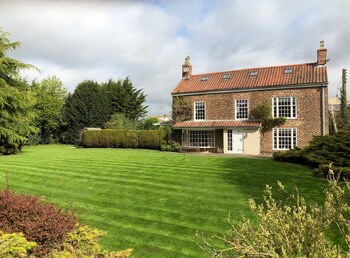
[221,106]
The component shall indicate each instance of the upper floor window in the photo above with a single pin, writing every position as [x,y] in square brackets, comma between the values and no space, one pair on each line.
[284,138]
[199,110]
[242,109]
[284,106]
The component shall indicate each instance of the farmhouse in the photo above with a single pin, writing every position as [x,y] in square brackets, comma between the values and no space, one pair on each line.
[221,103]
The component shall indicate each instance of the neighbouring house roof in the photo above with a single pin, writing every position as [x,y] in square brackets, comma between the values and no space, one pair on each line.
[286,75]
[336,101]
[216,124]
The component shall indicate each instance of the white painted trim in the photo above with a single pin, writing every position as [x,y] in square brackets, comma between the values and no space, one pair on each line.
[194,111]
[241,119]
[296,107]
[296,138]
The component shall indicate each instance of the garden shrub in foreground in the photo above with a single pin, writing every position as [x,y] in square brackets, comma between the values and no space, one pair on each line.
[289,228]
[52,232]
[42,223]
[14,245]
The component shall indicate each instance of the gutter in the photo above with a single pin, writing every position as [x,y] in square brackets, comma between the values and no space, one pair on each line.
[249,89]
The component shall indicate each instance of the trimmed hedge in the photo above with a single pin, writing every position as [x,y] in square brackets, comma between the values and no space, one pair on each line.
[123,138]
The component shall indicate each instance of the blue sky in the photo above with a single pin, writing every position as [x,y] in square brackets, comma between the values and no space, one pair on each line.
[148,40]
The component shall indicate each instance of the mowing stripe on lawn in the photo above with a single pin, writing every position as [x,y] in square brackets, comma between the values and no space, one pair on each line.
[151,201]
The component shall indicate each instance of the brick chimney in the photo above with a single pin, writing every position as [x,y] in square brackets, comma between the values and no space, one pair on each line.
[322,54]
[186,68]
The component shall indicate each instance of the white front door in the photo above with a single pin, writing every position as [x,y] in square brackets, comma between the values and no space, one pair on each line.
[235,141]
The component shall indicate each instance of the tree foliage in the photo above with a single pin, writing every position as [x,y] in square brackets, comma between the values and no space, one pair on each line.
[86,107]
[50,99]
[264,114]
[182,109]
[148,123]
[289,228]
[120,121]
[16,100]
[125,98]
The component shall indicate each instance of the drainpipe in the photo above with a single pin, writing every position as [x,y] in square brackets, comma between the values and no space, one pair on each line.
[323,111]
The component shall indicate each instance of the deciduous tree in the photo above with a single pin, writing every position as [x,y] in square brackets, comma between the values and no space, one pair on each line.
[50,99]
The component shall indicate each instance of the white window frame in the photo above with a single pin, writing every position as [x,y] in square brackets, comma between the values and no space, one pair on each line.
[292,106]
[195,111]
[188,140]
[276,137]
[236,109]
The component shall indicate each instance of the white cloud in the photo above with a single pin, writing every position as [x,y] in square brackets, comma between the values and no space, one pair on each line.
[148,40]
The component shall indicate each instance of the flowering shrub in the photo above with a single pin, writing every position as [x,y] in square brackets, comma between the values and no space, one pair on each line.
[290,228]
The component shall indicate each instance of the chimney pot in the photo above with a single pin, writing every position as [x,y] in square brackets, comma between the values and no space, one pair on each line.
[322,54]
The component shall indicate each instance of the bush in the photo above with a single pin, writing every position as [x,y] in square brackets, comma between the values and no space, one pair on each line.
[170,146]
[322,150]
[43,223]
[289,228]
[110,138]
[338,172]
[83,242]
[14,245]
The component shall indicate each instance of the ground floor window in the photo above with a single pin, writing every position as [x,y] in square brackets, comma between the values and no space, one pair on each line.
[203,139]
[284,138]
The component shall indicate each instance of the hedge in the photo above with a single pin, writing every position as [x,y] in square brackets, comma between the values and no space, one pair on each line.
[123,138]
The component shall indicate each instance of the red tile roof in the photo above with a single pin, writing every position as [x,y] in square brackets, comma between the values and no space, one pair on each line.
[302,74]
[216,123]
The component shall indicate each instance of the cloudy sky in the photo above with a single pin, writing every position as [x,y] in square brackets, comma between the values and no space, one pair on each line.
[148,40]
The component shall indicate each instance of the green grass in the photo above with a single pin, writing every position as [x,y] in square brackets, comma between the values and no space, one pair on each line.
[151,201]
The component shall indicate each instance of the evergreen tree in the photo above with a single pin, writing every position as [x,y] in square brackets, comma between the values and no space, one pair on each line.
[86,107]
[16,100]
[125,98]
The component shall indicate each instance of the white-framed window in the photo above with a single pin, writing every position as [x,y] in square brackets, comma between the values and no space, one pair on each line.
[284,138]
[196,138]
[241,109]
[199,110]
[284,106]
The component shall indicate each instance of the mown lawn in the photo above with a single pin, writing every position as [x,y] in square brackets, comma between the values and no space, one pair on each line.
[151,201]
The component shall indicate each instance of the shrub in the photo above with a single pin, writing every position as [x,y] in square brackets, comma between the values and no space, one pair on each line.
[83,242]
[111,138]
[14,245]
[289,228]
[43,223]
[322,150]
[170,146]
[338,172]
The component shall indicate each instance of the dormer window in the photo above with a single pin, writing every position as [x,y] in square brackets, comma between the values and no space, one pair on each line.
[253,73]
[226,76]
[205,78]
[288,70]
